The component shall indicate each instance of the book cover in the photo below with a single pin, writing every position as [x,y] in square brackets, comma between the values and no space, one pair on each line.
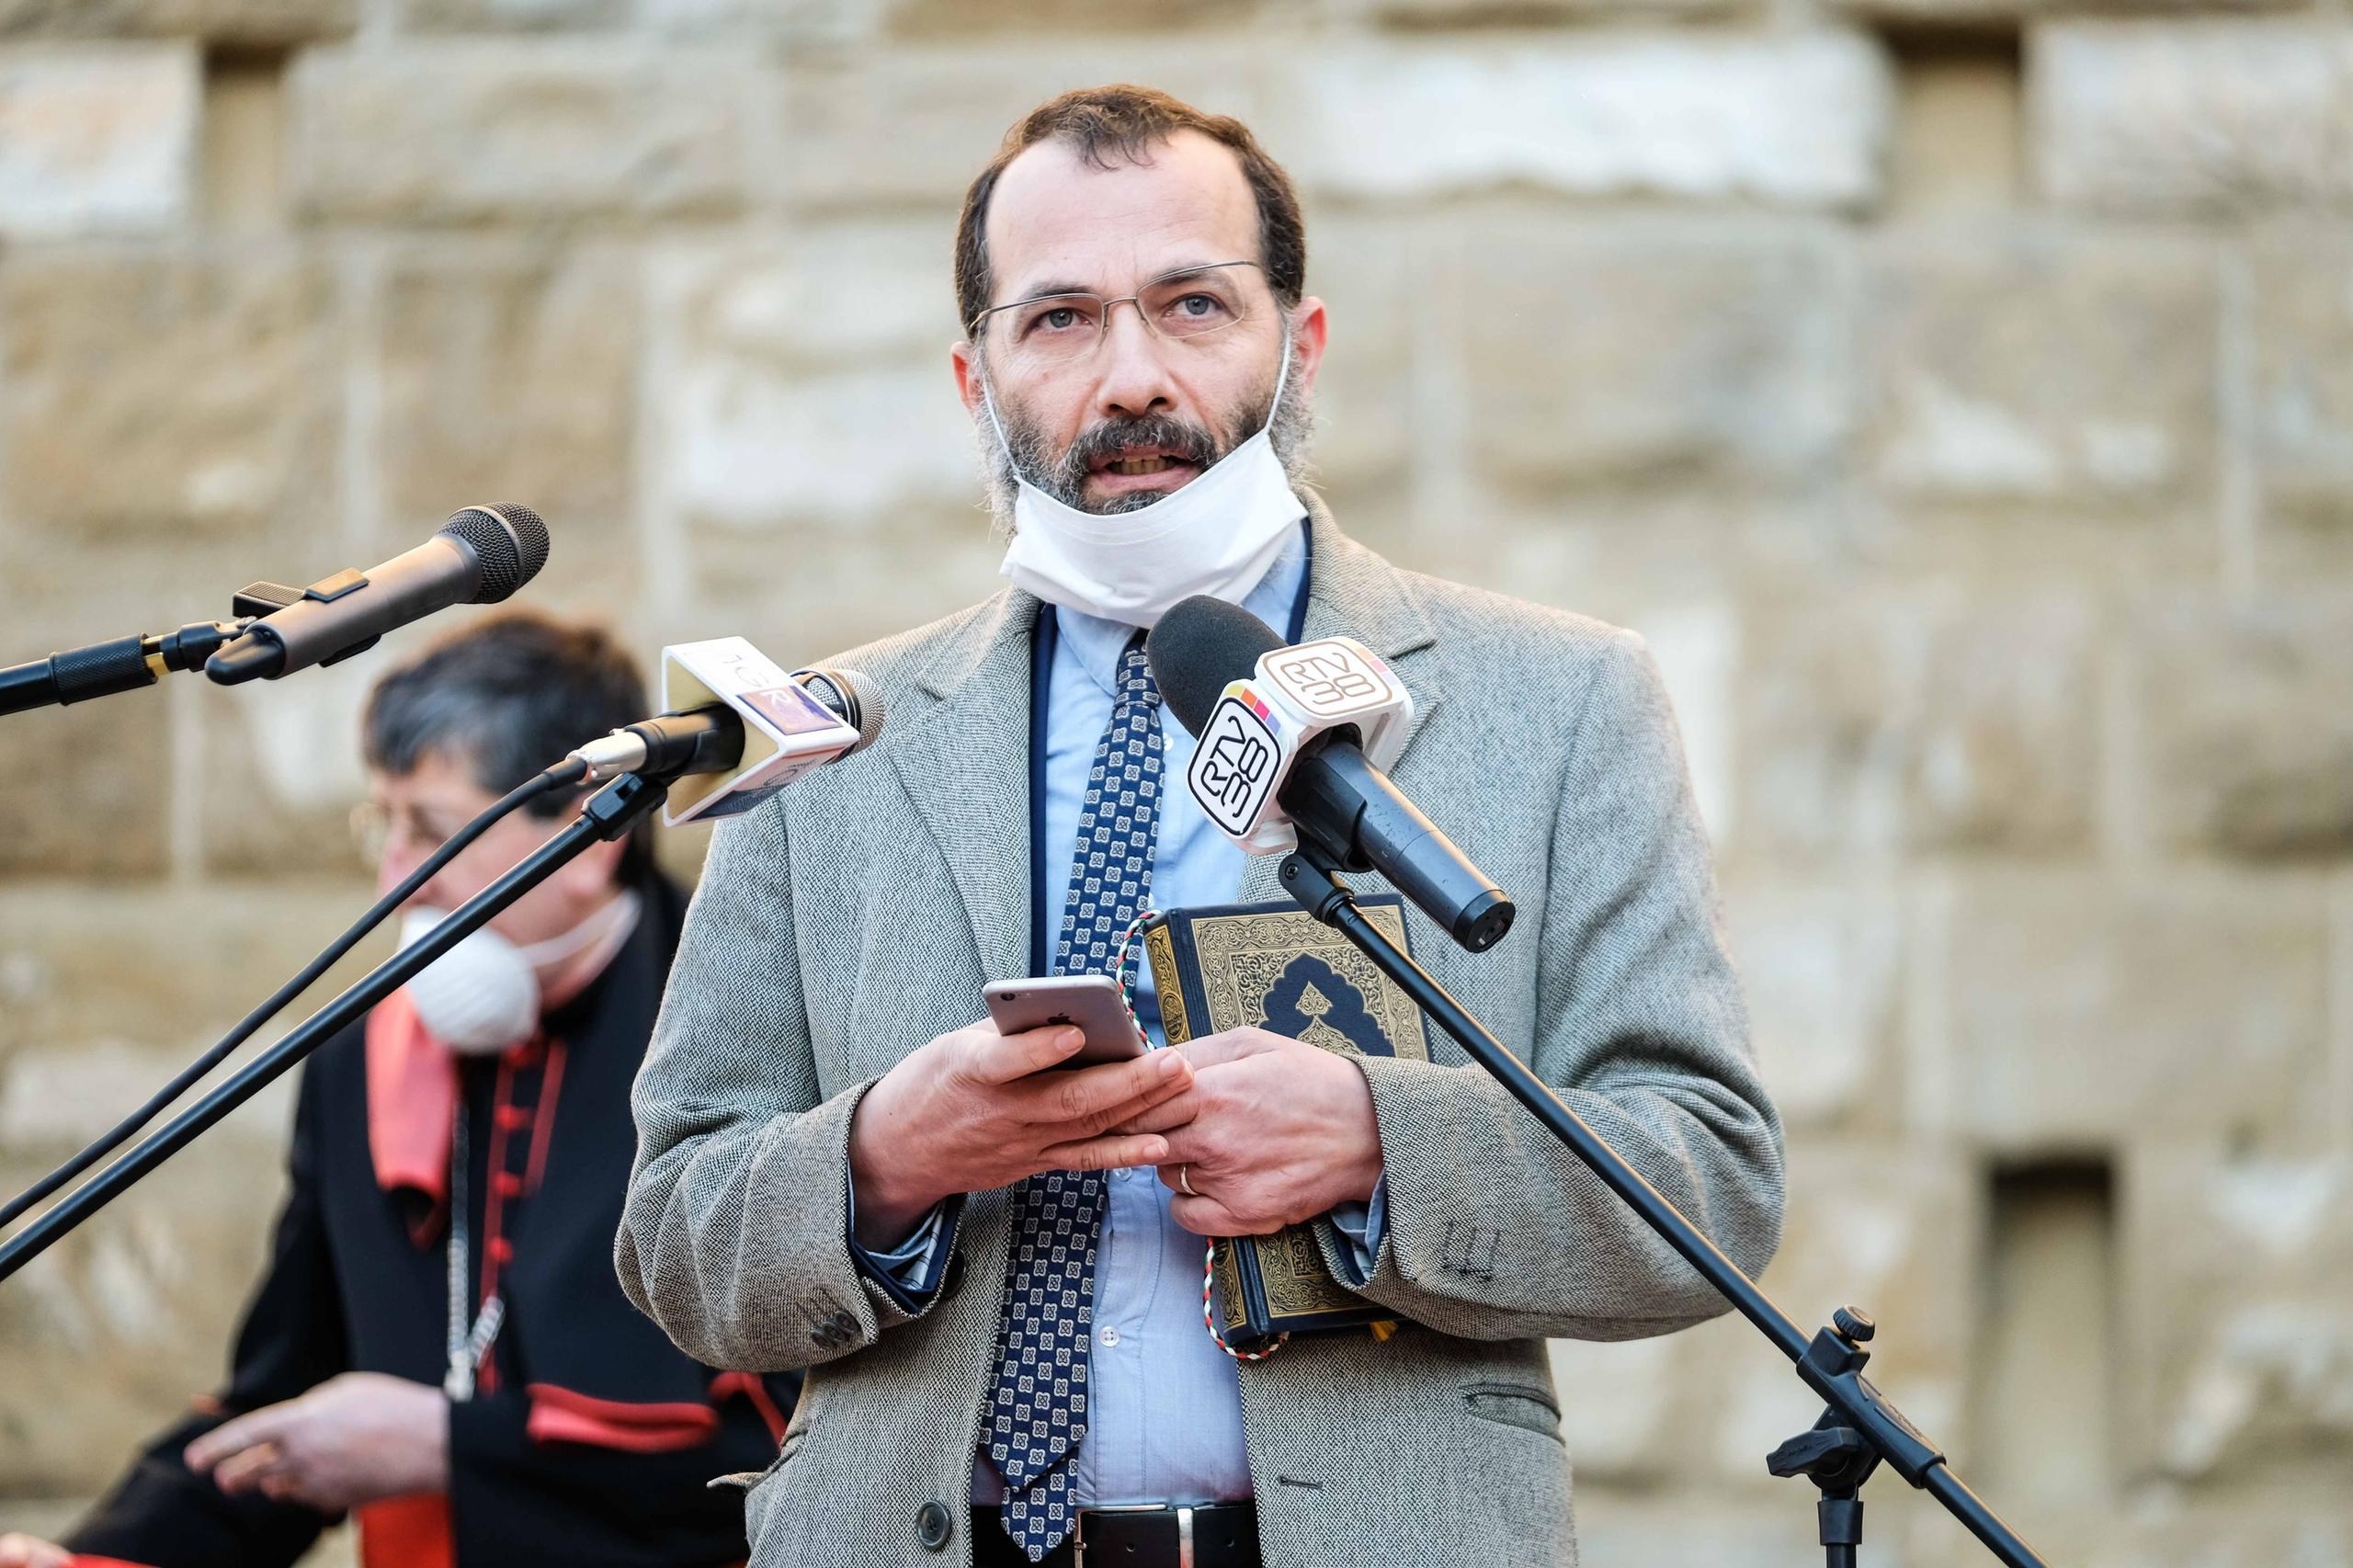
[1275,966]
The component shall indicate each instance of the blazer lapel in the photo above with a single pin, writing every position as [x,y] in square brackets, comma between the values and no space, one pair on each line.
[965,764]
[1352,592]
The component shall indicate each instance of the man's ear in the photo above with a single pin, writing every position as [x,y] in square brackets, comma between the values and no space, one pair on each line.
[968,376]
[1310,325]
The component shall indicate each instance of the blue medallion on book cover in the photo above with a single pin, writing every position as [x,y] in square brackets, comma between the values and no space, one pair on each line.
[1275,966]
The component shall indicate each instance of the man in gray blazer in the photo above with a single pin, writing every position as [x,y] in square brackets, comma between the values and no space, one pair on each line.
[999,1310]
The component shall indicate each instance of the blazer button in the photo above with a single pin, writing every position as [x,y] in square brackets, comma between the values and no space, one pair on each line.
[932,1527]
[845,1326]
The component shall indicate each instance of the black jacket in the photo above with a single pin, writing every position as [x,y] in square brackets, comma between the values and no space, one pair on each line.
[590,1440]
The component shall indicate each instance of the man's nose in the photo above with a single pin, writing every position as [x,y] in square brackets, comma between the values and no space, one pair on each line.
[1135,378]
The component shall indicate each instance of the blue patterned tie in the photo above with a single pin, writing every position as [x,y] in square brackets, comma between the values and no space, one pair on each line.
[1039,1415]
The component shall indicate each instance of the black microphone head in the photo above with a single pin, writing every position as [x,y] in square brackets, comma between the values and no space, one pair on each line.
[851,695]
[1201,646]
[509,542]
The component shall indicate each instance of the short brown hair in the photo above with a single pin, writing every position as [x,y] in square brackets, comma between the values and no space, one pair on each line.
[505,696]
[1127,120]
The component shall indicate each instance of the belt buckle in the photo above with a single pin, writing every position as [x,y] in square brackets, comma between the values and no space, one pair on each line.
[1184,1529]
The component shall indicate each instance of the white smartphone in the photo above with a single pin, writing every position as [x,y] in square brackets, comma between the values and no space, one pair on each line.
[1092,1002]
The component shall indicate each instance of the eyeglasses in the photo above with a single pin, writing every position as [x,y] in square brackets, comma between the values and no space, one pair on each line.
[1187,304]
[373,825]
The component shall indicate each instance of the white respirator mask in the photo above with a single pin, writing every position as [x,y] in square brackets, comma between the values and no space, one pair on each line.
[482,996]
[1216,536]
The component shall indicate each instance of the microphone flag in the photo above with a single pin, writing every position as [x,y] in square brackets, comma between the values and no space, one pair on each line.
[786,731]
[1263,722]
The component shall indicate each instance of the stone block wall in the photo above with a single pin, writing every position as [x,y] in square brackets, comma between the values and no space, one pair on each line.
[1958,395]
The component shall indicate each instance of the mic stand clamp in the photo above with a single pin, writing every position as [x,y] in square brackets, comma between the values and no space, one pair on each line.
[1859,1428]
[1837,1457]
[125,664]
[260,600]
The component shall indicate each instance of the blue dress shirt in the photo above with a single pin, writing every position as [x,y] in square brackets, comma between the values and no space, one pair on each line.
[1164,1421]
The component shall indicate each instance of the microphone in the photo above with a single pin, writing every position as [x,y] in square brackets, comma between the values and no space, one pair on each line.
[1291,744]
[481,556]
[738,728]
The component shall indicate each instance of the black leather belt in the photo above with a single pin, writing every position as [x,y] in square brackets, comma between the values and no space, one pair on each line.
[1219,1535]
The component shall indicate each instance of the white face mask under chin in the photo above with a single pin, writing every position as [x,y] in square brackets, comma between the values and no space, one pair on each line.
[482,996]
[1217,535]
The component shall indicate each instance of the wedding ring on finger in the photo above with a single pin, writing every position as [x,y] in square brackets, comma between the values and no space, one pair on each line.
[1185,1180]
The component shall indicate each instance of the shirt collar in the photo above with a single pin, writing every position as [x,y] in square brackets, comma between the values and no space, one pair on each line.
[1097,643]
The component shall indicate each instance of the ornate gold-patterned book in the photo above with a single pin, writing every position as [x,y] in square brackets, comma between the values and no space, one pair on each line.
[1276,966]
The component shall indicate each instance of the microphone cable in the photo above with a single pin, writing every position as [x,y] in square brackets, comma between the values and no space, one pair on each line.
[570,771]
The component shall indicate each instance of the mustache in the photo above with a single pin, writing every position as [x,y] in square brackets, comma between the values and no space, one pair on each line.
[1179,438]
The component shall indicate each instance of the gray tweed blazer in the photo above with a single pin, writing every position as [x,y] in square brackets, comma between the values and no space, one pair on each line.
[857,916]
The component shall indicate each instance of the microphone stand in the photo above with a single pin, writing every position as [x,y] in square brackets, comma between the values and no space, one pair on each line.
[1859,1428]
[609,814]
[125,664]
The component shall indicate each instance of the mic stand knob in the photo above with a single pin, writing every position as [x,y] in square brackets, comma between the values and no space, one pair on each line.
[1836,1458]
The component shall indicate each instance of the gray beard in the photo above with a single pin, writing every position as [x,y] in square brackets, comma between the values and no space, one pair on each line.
[1288,431]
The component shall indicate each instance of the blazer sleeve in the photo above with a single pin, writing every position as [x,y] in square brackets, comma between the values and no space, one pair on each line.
[735,1237]
[1495,1231]
[290,1341]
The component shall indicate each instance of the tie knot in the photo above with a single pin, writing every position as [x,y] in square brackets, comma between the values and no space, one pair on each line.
[1136,684]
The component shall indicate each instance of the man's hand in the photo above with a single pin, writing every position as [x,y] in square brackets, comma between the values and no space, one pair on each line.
[31,1551]
[1273,1132]
[355,1438]
[974,1109]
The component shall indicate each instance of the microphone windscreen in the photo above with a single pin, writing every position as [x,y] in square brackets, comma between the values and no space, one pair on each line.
[510,542]
[1202,645]
[851,695]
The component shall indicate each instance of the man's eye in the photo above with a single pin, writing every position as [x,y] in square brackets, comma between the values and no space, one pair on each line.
[1199,306]
[1061,318]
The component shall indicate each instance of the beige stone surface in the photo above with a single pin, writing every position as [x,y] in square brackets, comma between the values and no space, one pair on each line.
[1435,14]
[2094,1013]
[498,129]
[809,388]
[927,19]
[2042,374]
[96,139]
[2248,715]
[282,768]
[512,376]
[910,126]
[1711,363]
[2239,1359]
[1958,130]
[463,16]
[2197,115]
[90,796]
[1797,120]
[1918,720]
[1822,961]
[241,22]
[1971,20]
[2300,285]
[64,963]
[178,400]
